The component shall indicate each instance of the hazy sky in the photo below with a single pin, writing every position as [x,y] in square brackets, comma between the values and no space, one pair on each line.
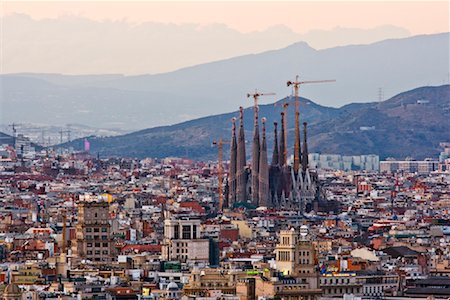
[301,16]
[151,37]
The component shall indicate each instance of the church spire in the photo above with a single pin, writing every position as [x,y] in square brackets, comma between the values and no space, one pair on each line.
[275,154]
[305,148]
[297,145]
[255,157]
[283,157]
[263,170]
[232,170]
[241,161]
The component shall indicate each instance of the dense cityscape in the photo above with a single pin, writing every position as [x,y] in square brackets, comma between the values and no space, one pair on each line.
[224,150]
[300,226]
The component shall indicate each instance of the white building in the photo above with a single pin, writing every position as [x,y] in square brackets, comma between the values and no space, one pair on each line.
[182,242]
[369,162]
[409,166]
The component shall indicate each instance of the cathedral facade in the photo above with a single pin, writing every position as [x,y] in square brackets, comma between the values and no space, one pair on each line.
[278,184]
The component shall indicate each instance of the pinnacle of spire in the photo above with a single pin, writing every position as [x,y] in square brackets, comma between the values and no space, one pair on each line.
[255,158]
[263,170]
[233,164]
[241,161]
[275,154]
[241,116]
[283,151]
[305,148]
[297,150]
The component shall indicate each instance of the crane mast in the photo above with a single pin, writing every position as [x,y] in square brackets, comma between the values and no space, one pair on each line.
[219,145]
[296,84]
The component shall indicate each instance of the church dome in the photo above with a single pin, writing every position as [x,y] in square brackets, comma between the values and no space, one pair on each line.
[172,286]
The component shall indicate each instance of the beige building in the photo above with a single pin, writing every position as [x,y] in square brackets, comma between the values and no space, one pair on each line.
[201,282]
[93,233]
[295,254]
[339,284]
[295,275]
[182,242]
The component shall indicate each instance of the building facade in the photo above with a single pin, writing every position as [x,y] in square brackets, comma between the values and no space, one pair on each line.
[93,233]
[182,242]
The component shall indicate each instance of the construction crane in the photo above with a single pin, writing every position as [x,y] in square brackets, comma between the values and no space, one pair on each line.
[296,84]
[61,132]
[257,94]
[219,145]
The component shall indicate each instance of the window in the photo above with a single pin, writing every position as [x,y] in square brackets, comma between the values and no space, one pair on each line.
[194,234]
[104,237]
[105,245]
[89,252]
[177,232]
[105,252]
[89,244]
[97,252]
[96,230]
[104,229]
[89,237]
[186,232]
[97,244]
[88,229]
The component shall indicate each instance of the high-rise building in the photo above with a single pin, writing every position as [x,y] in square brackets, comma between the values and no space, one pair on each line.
[93,232]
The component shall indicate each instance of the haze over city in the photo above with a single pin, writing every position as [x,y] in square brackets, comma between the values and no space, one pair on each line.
[224,150]
[152,37]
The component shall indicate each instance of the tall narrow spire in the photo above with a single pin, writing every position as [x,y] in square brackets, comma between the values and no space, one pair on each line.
[305,148]
[297,145]
[283,141]
[241,161]
[275,154]
[255,157]
[274,170]
[263,170]
[232,170]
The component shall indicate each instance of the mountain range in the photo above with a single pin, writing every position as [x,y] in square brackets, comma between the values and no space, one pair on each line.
[136,102]
[412,123]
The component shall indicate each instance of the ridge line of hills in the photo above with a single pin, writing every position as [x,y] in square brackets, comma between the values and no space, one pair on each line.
[130,102]
[412,123]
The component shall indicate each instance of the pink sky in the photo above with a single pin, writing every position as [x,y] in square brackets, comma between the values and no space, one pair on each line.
[417,17]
